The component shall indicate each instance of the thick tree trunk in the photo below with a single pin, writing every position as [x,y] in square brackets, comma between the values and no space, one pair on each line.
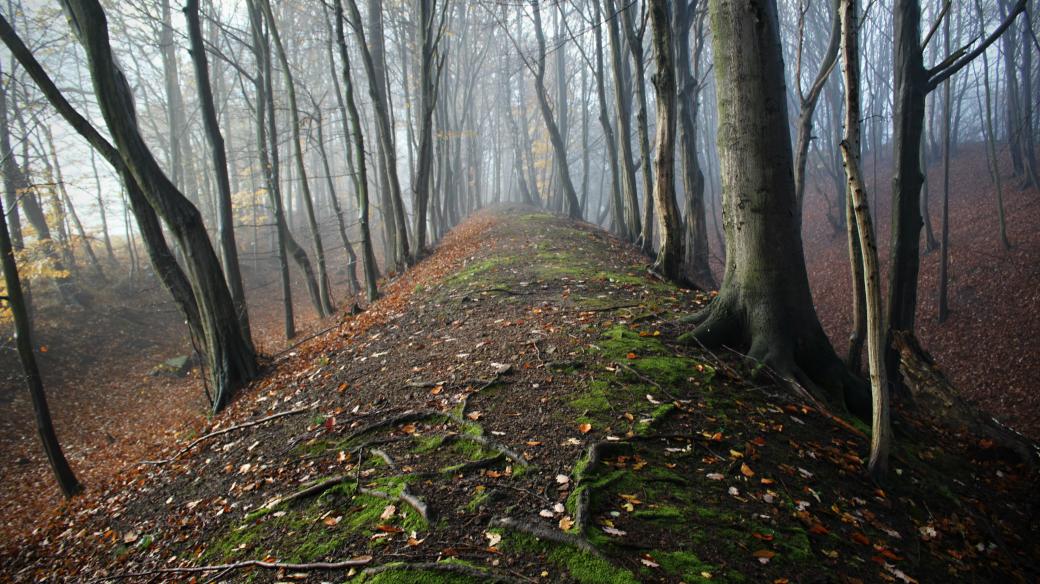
[230,356]
[764,306]
[226,220]
[163,260]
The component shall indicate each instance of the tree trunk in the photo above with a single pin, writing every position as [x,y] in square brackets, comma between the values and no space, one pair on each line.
[44,426]
[324,305]
[764,306]
[226,222]
[635,49]
[944,249]
[669,262]
[361,178]
[559,147]
[881,431]
[695,254]
[623,105]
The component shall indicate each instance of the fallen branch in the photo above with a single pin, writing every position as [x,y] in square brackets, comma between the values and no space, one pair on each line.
[205,437]
[352,563]
[506,291]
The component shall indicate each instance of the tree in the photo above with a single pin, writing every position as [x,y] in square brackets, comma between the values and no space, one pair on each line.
[226,224]
[430,65]
[695,253]
[16,302]
[555,137]
[623,106]
[881,431]
[669,262]
[764,305]
[229,353]
[361,178]
[912,84]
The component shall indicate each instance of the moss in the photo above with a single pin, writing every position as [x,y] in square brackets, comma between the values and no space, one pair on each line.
[478,499]
[478,270]
[645,424]
[425,444]
[594,399]
[582,566]
[797,546]
[685,565]
[662,513]
[404,575]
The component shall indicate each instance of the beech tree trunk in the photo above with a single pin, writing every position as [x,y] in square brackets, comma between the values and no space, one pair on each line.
[559,147]
[623,106]
[226,220]
[764,307]
[669,262]
[44,426]
[361,177]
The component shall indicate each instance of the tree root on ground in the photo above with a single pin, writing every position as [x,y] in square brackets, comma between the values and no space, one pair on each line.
[461,569]
[205,437]
[341,565]
[547,534]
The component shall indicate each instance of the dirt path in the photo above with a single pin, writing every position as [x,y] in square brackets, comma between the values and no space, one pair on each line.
[515,410]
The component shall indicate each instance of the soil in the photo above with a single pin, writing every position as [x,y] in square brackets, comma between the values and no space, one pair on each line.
[514,408]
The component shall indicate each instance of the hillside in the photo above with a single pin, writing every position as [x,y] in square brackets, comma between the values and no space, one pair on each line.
[515,409]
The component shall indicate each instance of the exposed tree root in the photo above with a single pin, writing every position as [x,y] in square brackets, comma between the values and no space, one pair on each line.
[401,418]
[453,568]
[205,437]
[547,534]
[490,445]
[795,349]
[341,565]
[311,490]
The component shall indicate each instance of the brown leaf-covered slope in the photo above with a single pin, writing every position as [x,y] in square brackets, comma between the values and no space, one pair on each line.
[990,345]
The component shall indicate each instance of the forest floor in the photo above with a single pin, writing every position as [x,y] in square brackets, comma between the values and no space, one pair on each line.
[108,409]
[515,409]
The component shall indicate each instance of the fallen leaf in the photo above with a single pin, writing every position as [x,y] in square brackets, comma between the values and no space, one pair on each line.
[584,428]
[746,470]
[566,523]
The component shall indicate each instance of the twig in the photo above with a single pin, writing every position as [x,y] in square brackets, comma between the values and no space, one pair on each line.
[352,563]
[504,291]
[315,488]
[205,437]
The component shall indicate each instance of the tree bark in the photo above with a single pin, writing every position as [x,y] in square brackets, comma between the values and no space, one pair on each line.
[881,431]
[764,306]
[669,262]
[226,220]
[623,105]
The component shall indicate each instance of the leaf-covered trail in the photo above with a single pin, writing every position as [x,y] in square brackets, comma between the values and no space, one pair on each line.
[514,409]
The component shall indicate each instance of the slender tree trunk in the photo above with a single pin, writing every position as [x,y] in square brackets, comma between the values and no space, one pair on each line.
[226,220]
[695,254]
[669,262]
[991,142]
[101,209]
[635,49]
[361,177]
[559,147]
[325,306]
[881,431]
[623,105]
[45,427]
[944,250]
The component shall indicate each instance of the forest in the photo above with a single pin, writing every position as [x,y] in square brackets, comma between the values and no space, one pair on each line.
[459,291]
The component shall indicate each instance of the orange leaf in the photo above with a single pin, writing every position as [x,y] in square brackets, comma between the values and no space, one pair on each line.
[818,529]
[632,356]
[764,554]
[860,538]
[584,428]
[746,470]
